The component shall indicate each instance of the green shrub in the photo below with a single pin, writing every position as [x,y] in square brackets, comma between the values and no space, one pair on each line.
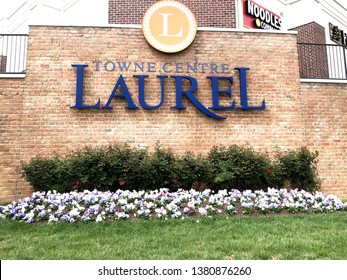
[239,168]
[157,170]
[43,174]
[191,171]
[85,167]
[299,168]
[133,170]
[119,166]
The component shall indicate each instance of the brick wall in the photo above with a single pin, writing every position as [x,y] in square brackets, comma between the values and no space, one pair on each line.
[325,118]
[11,93]
[313,59]
[218,13]
[311,33]
[42,121]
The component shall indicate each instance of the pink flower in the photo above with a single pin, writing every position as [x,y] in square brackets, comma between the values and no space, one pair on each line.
[269,171]
[78,182]
[122,183]
[175,181]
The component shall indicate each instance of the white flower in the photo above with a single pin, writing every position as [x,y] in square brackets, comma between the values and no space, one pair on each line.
[202,211]
[98,218]
[122,201]
[150,205]
[52,219]
[74,212]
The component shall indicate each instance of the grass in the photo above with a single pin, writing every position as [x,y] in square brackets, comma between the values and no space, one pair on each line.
[283,237]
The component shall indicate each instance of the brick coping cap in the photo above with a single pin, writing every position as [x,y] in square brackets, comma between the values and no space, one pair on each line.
[326,81]
[212,29]
[12,76]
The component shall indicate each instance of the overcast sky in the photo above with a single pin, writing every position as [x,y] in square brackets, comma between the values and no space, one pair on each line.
[9,6]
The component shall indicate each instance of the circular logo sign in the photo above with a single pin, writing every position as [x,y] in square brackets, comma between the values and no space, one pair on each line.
[169,26]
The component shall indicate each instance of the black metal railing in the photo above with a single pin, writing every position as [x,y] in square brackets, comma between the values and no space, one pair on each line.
[13,53]
[322,61]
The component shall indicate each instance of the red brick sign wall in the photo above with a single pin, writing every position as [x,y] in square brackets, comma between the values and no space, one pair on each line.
[36,118]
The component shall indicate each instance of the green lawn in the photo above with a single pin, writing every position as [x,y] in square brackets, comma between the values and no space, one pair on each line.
[321,236]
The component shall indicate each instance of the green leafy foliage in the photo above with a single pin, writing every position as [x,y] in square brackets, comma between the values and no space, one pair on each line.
[191,170]
[299,168]
[44,174]
[159,169]
[239,168]
[119,166]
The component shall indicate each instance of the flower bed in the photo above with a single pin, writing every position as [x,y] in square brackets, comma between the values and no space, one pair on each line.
[96,206]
